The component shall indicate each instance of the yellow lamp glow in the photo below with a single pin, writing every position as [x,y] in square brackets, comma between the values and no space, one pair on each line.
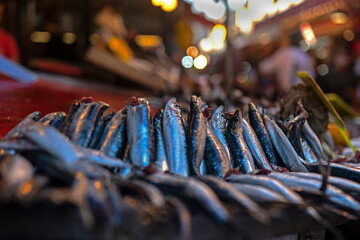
[169,5]
[218,33]
[156,3]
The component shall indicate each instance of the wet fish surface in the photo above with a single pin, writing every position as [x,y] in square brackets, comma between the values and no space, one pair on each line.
[240,153]
[218,123]
[255,147]
[159,144]
[257,124]
[114,138]
[217,161]
[175,138]
[282,145]
[139,131]
[54,119]
[193,192]
[85,122]
[197,125]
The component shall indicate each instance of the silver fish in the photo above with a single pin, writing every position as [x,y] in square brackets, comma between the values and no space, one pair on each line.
[312,140]
[114,138]
[175,138]
[217,123]
[342,183]
[257,124]
[240,153]
[54,119]
[217,161]
[308,153]
[31,118]
[197,124]
[255,147]
[139,131]
[86,122]
[159,144]
[283,147]
[269,183]
[333,194]
[225,190]
[152,193]
[258,193]
[192,191]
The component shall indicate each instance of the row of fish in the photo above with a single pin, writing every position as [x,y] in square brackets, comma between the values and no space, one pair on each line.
[106,158]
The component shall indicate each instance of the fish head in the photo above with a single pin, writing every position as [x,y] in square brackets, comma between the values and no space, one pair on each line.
[235,122]
[172,106]
[253,111]
[218,119]
[196,104]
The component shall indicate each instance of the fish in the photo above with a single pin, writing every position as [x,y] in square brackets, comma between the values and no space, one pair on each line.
[65,126]
[15,170]
[139,130]
[160,159]
[52,141]
[332,193]
[339,182]
[31,118]
[216,159]
[141,188]
[54,119]
[312,140]
[240,153]
[183,216]
[203,168]
[338,170]
[269,183]
[309,155]
[258,193]
[86,122]
[257,124]
[284,148]
[67,153]
[114,138]
[255,147]
[196,135]
[217,124]
[123,169]
[225,191]
[193,192]
[175,138]
[100,130]
[294,133]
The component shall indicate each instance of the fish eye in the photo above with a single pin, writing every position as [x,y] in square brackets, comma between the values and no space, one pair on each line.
[177,105]
[222,115]
[236,120]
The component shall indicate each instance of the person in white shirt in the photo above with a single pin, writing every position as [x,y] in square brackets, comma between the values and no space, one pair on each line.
[285,62]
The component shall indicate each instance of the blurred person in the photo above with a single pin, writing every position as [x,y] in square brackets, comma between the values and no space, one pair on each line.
[8,45]
[285,62]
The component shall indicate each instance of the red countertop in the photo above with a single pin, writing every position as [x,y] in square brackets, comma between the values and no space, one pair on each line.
[19,99]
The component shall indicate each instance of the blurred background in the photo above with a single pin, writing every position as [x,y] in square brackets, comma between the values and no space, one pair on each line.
[224,50]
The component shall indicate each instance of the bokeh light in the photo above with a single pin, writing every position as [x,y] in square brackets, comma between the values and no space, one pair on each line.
[200,62]
[192,51]
[187,62]
[322,69]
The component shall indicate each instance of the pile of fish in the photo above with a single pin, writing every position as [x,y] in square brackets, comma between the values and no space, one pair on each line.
[125,165]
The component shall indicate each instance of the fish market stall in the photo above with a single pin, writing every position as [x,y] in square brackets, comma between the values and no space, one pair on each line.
[104,167]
